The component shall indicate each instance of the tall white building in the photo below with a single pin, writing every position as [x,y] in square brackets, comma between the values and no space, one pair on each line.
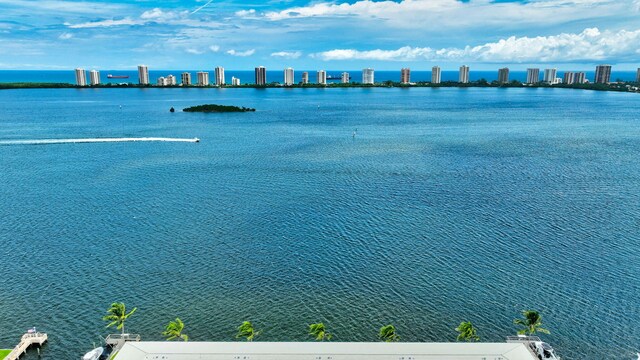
[81,77]
[579,77]
[185,78]
[568,78]
[288,76]
[503,75]
[405,75]
[94,77]
[162,81]
[638,76]
[171,80]
[143,75]
[435,75]
[203,78]
[220,76]
[368,76]
[463,76]
[344,78]
[321,77]
[533,76]
[550,76]
[261,75]
[305,77]
[235,81]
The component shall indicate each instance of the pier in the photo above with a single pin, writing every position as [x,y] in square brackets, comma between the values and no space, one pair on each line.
[95,140]
[29,339]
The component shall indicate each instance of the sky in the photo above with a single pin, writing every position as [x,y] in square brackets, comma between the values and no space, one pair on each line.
[303,34]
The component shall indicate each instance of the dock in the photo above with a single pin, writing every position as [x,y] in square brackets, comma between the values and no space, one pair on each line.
[27,340]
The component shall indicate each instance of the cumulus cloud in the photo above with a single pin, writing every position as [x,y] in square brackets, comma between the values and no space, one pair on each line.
[241,53]
[246,13]
[287,54]
[589,45]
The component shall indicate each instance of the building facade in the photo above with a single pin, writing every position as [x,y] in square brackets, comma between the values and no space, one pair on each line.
[261,75]
[321,77]
[162,81]
[638,76]
[579,77]
[203,78]
[568,78]
[288,76]
[603,74]
[219,76]
[171,80]
[344,78]
[235,81]
[368,76]
[94,77]
[533,76]
[305,77]
[185,78]
[550,75]
[436,75]
[463,74]
[405,76]
[143,75]
[81,77]
[503,75]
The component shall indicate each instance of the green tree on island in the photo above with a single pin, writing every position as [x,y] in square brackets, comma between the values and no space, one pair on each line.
[388,334]
[532,322]
[467,332]
[174,330]
[247,331]
[319,332]
[117,314]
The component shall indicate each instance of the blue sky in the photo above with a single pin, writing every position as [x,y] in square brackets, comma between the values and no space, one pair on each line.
[386,35]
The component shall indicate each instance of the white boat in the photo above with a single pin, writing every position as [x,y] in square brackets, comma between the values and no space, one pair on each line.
[93,354]
[540,349]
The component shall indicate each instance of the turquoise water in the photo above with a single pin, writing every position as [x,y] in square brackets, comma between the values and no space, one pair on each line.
[448,205]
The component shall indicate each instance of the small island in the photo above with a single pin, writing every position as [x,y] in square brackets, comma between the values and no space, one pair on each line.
[212,108]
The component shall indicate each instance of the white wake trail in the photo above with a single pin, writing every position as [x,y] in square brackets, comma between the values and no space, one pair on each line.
[94,140]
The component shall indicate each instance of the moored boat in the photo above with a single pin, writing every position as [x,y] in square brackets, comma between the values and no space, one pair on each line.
[93,354]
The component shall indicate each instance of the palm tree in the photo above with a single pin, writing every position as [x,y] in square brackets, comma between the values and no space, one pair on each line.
[117,314]
[319,332]
[174,330]
[467,332]
[247,331]
[388,334]
[532,322]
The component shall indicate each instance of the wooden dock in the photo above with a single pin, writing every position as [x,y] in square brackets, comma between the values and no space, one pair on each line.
[28,340]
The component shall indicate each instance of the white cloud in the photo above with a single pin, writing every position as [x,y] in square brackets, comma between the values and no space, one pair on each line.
[62,6]
[214,48]
[287,54]
[65,36]
[195,51]
[241,53]
[589,45]
[107,23]
[246,13]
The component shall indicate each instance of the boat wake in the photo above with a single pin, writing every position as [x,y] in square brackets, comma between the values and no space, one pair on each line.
[94,140]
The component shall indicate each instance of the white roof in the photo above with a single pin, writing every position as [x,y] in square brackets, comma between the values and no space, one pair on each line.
[148,350]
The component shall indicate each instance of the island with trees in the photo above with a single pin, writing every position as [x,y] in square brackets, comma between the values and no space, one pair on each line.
[212,108]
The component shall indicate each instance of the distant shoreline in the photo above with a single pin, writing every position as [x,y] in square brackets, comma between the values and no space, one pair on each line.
[618,86]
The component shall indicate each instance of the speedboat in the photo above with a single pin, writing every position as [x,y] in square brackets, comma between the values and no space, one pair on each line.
[539,348]
[93,354]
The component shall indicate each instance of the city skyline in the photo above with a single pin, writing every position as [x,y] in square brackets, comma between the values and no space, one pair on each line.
[384,35]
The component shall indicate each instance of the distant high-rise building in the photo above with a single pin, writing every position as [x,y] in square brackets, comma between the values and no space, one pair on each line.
[94,77]
[162,81]
[435,75]
[171,80]
[569,78]
[305,77]
[533,76]
[219,76]
[344,78]
[368,76]
[81,77]
[638,76]
[186,78]
[143,75]
[603,74]
[579,77]
[235,81]
[503,75]
[321,77]
[463,76]
[261,75]
[203,78]
[288,76]
[550,76]
[405,75]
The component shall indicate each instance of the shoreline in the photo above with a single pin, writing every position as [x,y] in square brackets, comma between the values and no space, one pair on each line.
[616,87]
